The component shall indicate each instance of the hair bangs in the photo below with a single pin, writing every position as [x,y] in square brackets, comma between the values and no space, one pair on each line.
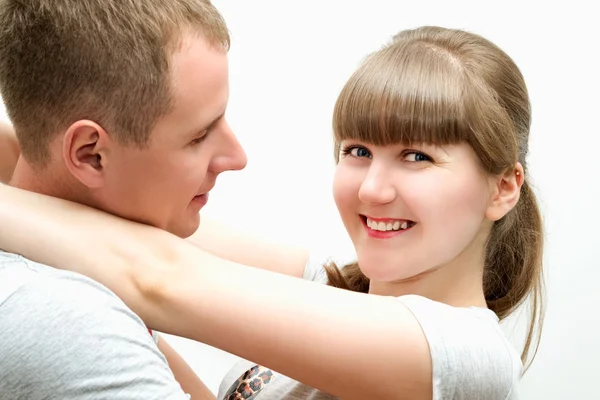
[404,96]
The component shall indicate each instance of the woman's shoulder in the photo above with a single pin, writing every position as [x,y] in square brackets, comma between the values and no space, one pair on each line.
[472,358]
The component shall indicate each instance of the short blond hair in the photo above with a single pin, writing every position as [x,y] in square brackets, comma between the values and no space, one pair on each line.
[104,60]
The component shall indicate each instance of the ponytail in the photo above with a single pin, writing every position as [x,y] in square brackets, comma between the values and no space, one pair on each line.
[513,265]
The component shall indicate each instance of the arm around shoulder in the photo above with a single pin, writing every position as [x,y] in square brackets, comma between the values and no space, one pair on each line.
[351,345]
[244,248]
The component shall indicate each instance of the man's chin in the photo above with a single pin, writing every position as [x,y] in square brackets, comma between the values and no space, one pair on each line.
[185,228]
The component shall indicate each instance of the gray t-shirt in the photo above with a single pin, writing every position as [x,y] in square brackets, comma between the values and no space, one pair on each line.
[472,359]
[64,336]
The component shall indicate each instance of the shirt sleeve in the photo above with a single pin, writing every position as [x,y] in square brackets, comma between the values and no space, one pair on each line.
[470,356]
[71,338]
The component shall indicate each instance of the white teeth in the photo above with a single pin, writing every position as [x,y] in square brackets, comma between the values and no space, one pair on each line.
[389,226]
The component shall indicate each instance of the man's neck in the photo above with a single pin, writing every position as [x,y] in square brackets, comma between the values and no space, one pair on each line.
[47,181]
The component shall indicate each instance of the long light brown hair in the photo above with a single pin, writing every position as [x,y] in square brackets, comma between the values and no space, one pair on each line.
[443,86]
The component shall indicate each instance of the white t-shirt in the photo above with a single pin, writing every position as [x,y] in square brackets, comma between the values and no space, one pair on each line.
[65,336]
[472,359]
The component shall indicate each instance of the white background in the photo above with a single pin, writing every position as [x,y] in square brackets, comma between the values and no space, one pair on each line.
[289,60]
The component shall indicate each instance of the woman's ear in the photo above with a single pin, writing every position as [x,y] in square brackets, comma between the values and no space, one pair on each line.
[506,191]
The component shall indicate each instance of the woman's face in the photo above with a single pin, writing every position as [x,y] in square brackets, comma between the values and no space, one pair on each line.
[409,210]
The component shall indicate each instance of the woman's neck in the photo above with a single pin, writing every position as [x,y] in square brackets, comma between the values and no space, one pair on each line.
[459,283]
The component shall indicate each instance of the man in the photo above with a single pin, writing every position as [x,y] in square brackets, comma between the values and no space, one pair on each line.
[118,105]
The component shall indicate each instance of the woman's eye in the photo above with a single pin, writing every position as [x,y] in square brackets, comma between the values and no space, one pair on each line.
[415,156]
[358,151]
[361,152]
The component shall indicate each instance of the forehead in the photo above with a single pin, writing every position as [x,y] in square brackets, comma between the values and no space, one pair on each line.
[200,86]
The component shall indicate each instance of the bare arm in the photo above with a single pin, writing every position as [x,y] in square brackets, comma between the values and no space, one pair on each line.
[247,249]
[187,378]
[9,152]
[215,237]
[352,345]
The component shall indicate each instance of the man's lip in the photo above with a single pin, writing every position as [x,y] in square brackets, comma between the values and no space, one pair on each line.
[200,200]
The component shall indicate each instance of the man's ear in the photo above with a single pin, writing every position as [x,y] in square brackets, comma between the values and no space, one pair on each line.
[85,148]
[506,191]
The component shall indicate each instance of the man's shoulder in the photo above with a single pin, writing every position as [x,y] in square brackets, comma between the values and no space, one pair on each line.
[38,297]
[61,330]
[33,282]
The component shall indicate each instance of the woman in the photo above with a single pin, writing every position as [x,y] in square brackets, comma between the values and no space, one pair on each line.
[431,139]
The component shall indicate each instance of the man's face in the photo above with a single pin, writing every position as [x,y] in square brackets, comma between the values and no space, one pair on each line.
[167,183]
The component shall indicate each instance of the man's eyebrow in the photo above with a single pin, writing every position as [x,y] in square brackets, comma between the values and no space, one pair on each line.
[197,132]
[214,121]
